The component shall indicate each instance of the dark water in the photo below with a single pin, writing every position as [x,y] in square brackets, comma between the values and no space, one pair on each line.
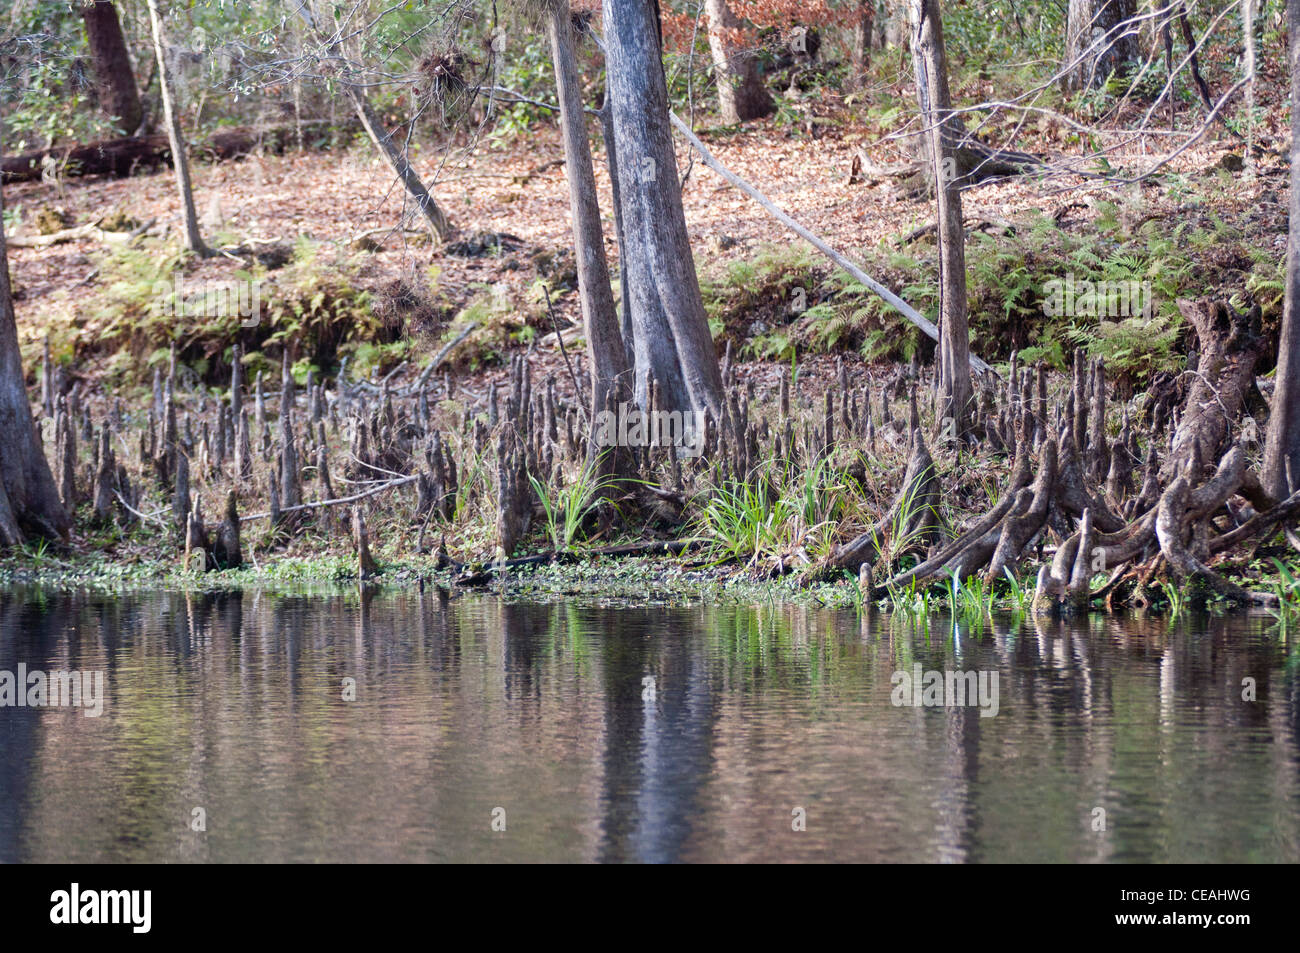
[635,734]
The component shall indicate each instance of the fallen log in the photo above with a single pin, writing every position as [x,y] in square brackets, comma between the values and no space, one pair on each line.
[125,156]
[89,230]
[115,157]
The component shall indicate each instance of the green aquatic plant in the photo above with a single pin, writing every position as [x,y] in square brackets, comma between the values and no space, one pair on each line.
[1019,596]
[1175,598]
[1287,590]
[572,503]
[744,519]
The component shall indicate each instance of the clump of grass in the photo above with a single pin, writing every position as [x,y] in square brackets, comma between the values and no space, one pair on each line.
[572,503]
[1287,589]
[1019,596]
[1175,599]
[746,519]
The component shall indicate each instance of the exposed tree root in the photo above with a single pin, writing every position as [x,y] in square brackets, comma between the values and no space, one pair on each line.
[1081,495]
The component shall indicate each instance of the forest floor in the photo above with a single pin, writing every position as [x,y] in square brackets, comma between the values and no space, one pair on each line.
[1202,226]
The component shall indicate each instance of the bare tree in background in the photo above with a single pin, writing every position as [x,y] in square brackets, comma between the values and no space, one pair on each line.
[1099,41]
[180,160]
[374,126]
[864,28]
[741,93]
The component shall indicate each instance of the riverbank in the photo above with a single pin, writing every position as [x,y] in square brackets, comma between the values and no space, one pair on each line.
[631,581]
[401,363]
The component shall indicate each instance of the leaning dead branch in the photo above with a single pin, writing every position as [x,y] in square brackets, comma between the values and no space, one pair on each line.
[978,366]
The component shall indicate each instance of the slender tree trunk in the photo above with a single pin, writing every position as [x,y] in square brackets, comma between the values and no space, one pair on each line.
[29,499]
[397,160]
[671,330]
[1281,470]
[118,95]
[180,160]
[610,372]
[741,93]
[1096,41]
[863,31]
[297,91]
[893,23]
[954,379]
[381,137]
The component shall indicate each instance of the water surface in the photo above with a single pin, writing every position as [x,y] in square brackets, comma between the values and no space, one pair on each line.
[656,733]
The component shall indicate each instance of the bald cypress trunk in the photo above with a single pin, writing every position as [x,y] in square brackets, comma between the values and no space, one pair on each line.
[29,499]
[671,338]
[1281,470]
[611,376]
[939,132]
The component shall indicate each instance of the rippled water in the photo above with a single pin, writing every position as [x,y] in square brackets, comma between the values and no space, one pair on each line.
[614,733]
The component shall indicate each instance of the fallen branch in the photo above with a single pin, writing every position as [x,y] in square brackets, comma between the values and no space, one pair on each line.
[438,358]
[903,308]
[89,230]
[319,504]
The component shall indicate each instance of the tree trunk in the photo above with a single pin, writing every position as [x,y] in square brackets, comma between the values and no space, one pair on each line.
[1097,42]
[1281,469]
[118,95]
[396,158]
[741,93]
[892,28]
[625,290]
[672,342]
[29,499]
[860,43]
[954,378]
[383,139]
[180,162]
[610,372]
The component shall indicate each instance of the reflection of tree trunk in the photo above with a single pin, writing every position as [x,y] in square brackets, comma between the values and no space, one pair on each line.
[1281,470]
[955,390]
[1096,42]
[672,342]
[610,373]
[118,96]
[29,500]
[30,628]
[660,717]
[180,162]
[741,93]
